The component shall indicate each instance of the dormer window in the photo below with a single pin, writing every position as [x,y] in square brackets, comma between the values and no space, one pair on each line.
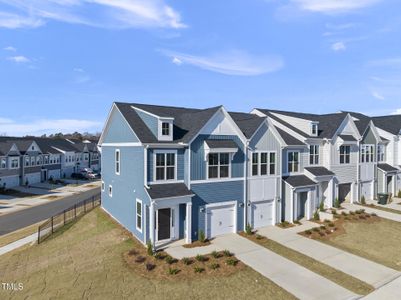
[315,129]
[165,128]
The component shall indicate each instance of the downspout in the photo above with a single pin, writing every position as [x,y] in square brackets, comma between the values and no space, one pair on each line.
[358,173]
[246,188]
[145,166]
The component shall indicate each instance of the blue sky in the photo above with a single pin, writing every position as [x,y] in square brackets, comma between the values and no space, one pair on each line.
[63,62]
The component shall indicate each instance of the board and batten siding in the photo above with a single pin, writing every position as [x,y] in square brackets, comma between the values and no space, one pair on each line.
[198,163]
[215,192]
[180,163]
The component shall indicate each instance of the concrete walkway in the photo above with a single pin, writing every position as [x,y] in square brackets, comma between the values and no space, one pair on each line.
[358,267]
[390,291]
[299,281]
[14,245]
[381,213]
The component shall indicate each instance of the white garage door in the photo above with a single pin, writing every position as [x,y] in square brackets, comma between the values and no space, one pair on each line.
[220,220]
[366,190]
[262,214]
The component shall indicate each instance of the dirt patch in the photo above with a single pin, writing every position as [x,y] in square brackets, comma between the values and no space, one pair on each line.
[197,244]
[51,197]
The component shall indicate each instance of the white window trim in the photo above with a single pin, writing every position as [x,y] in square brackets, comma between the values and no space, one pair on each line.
[136,215]
[299,161]
[218,166]
[119,161]
[160,136]
[5,161]
[364,155]
[339,155]
[155,152]
[317,129]
[316,154]
[18,163]
[259,152]
[382,153]
[110,191]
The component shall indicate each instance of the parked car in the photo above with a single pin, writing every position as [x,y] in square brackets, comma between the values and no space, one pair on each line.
[78,176]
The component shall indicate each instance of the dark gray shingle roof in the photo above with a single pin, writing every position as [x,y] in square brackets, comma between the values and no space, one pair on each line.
[391,124]
[299,181]
[248,123]
[213,144]
[168,190]
[187,121]
[319,171]
[387,168]
[289,139]
[347,138]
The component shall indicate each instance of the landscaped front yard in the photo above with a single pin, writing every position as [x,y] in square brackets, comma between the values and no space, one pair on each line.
[91,259]
[374,238]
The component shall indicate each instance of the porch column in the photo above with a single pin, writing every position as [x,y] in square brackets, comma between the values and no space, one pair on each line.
[152,223]
[188,223]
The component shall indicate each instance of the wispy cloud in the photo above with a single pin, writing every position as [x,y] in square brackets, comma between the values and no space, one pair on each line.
[333,6]
[19,59]
[377,95]
[98,13]
[338,46]
[10,48]
[396,112]
[230,63]
[42,126]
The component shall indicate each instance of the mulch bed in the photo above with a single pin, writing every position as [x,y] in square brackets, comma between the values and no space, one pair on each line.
[331,229]
[197,244]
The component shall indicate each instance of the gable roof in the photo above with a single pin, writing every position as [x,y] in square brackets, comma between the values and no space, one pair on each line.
[319,171]
[168,190]
[216,144]
[289,139]
[391,124]
[248,123]
[187,121]
[328,123]
[299,181]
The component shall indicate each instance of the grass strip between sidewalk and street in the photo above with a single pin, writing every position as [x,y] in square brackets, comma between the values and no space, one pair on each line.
[18,234]
[347,281]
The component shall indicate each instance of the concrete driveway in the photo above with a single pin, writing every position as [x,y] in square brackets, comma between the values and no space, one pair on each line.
[301,282]
[390,291]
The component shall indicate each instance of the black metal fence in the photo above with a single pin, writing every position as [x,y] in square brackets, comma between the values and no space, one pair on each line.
[68,215]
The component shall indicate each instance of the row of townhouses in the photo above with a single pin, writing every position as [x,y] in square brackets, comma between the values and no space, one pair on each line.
[26,161]
[170,172]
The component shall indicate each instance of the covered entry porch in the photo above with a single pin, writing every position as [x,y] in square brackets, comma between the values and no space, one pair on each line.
[387,179]
[170,213]
[325,184]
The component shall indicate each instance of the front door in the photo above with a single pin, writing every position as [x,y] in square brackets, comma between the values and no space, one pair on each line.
[163,224]
[302,199]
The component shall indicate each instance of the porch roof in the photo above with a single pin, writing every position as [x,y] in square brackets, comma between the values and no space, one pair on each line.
[319,171]
[168,190]
[299,181]
[387,168]
[347,138]
[218,144]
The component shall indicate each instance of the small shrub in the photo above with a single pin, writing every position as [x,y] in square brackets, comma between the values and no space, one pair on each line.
[347,218]
[322,227]
[149,248]
[336,216]
[363,200]
[315,229]
[150,267]
[227,253]
[200,258]
[321,233]
[198,269]
[343,213]
[214,266]
[333,211]
[399,194]
[202,237]
[231,262]
[362,217]
[297,222]
[259,237]
[316,216]
[215,254]
[321,206]
[373,214]
[158,255]
[336,203]
[331,224]
[133,252]
[358,212]
[140,259]
[326,221]
[173,271]
[248,229]
[367,216]
[170,260]
[308,232]
[186,261]
[327,231]
[352,213]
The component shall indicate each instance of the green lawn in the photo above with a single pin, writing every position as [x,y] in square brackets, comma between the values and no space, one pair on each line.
[86,261]
[377,241]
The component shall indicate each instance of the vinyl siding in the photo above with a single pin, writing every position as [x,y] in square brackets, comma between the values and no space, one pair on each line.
[118,130]
[206,193]
[151,122]
[198,163]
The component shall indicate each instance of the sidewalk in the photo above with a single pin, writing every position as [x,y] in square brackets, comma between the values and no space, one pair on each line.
[390,291]
[14,245]
[299,281]
[358,267]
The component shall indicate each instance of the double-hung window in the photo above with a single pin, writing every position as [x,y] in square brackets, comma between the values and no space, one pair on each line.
[165,129]
[27,161]
[345,154]
[293,162]
[380,153]
[219,165]
[367,153]
[3,163]
[263,163]
[117,161]
[165,166]
[14,163]
[314,154]
[139,215]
